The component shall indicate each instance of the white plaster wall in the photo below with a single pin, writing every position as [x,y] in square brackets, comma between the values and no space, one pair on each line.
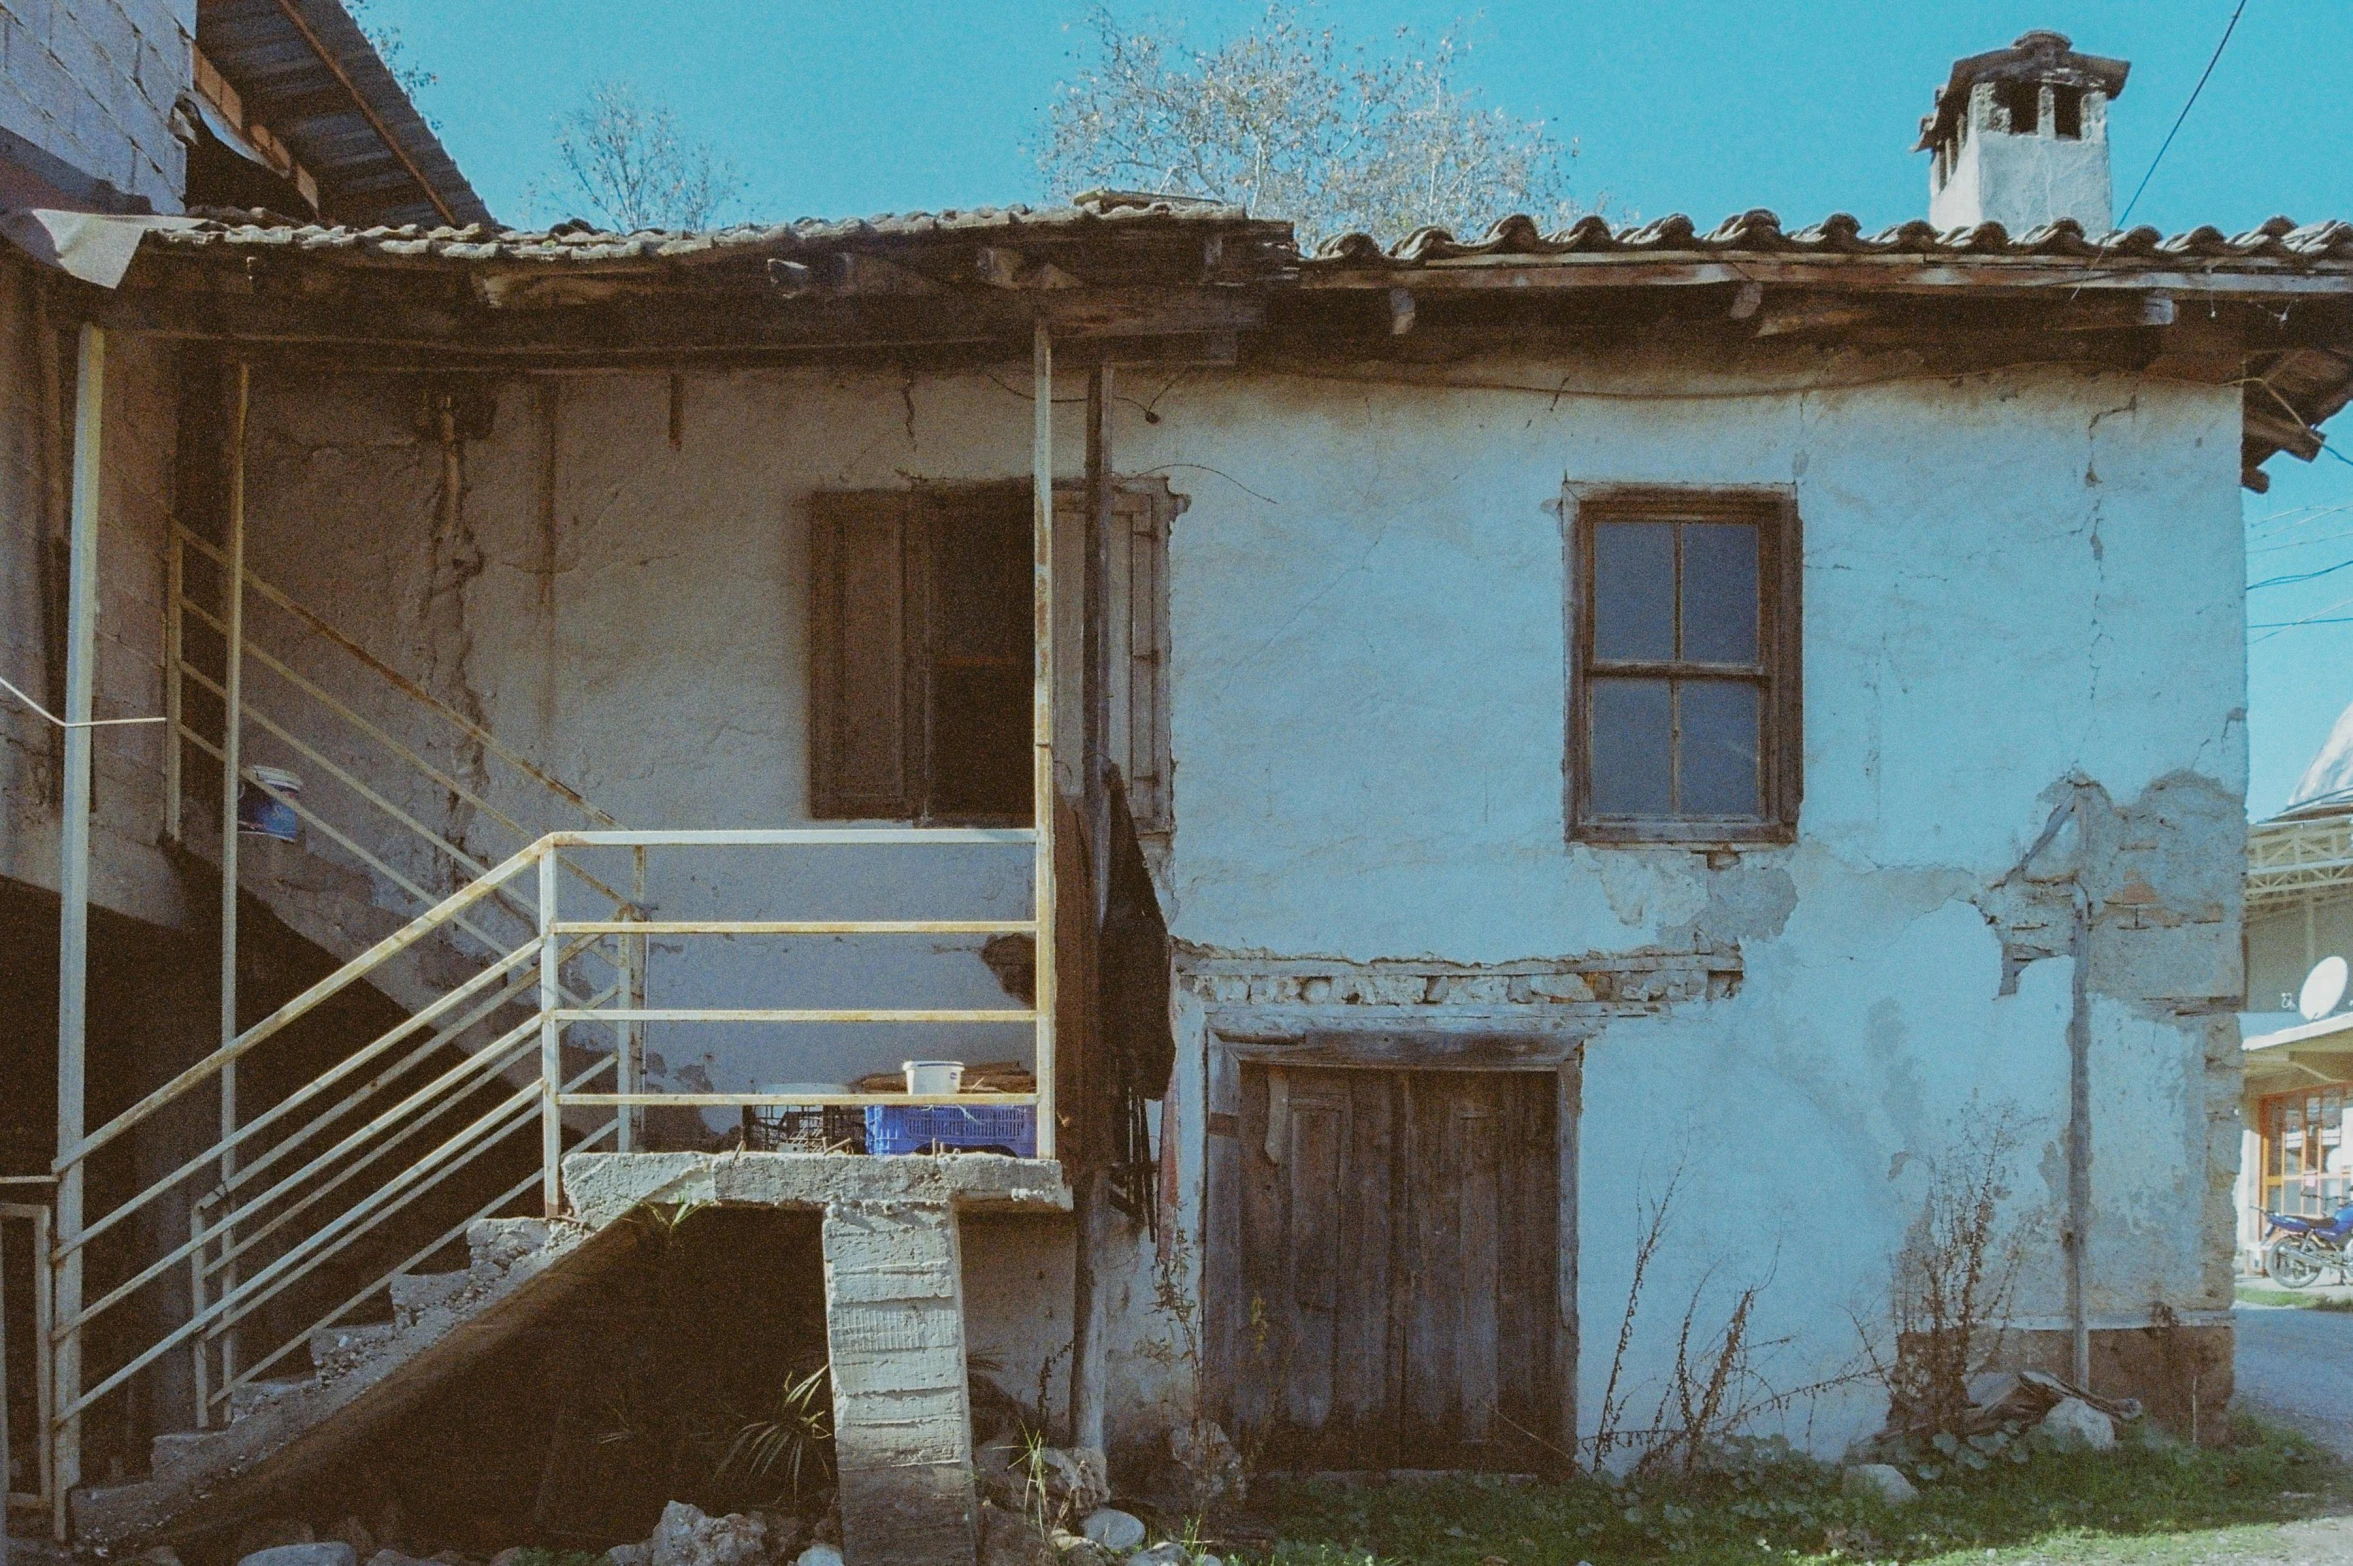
[93,82]
[2010,580]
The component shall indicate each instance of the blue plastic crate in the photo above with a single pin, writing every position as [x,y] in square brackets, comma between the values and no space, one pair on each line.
[923,1128]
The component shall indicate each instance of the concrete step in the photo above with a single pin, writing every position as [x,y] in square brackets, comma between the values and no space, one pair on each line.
[332,1349]
[172,1453]
[415,1294]
[370,1373]
[253,1396]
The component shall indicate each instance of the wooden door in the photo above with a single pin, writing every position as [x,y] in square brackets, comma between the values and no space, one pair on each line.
[1397,1270]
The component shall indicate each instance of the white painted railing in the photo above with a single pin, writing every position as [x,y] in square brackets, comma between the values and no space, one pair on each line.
[299,1194]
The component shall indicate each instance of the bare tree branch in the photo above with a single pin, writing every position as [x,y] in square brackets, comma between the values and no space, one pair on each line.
[625,158]
[1287,120]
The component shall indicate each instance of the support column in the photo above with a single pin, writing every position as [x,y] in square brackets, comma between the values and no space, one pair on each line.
[902,1414]
[73,887]
[232,776]
[1042,791]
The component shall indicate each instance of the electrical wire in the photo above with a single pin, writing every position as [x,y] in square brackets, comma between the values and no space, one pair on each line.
[2230,28]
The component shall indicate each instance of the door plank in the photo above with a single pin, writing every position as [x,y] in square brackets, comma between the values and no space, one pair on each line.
[1397,1240]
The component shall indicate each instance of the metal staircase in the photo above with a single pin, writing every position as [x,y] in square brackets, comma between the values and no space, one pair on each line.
[324,1230]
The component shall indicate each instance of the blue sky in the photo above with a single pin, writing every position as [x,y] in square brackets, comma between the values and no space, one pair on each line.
[1706,107]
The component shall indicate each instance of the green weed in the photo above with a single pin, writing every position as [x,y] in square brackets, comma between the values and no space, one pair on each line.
[2135,1504]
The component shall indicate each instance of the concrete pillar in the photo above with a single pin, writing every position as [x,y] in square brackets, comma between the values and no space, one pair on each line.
[902,1415]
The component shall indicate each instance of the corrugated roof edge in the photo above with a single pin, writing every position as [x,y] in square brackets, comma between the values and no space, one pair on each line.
[358,55]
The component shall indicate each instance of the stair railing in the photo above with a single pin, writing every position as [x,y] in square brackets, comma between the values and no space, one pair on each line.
[299,1200]
[380,830]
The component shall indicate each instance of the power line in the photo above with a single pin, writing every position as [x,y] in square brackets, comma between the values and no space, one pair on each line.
[2185,113]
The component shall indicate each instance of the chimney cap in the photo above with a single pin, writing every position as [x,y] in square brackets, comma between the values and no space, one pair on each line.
[2038,56]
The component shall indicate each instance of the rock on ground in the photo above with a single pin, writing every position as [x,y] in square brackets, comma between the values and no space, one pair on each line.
[1107,1526]
[1883,1480]
[330,1552]
[819,1555]
[1008,1538]
[2074,1423]
[686,1536]
[1166,1553]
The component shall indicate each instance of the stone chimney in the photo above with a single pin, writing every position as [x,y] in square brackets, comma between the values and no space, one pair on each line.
[2020,138]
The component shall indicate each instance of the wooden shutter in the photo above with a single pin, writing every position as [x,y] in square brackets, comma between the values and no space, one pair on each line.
[866,738]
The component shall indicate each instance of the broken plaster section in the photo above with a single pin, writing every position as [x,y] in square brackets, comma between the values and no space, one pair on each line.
[2158,881]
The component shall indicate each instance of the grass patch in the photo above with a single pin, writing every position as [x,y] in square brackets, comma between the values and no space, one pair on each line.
[2133,1504]
[2257,1294]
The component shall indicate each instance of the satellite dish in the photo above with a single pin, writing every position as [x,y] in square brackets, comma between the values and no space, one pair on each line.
[2324,986]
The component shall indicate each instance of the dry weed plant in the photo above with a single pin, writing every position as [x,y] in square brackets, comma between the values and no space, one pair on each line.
[1954,1281]
[1716,1387]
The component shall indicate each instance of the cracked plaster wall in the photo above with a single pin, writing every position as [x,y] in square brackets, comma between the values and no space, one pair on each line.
[2011,582]
[127,873]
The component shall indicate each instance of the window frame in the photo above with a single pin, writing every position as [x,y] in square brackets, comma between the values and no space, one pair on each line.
[1780,710]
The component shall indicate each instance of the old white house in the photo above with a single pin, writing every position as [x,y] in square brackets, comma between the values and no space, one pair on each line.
[1749,710]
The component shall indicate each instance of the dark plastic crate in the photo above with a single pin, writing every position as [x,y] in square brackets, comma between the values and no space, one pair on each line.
[952,1128]
[803,1128]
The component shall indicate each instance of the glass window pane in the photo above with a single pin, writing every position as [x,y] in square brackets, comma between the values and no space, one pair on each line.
[1719,752]
[1632,737]
[1720,592]
[1633,590]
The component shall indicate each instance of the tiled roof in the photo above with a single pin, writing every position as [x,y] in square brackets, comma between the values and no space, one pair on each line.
[578,242]
[2279,240]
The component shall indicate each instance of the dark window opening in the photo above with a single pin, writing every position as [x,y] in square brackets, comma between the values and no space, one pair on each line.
[2067,113]
[1684,717]
[2023,100]
[922,644]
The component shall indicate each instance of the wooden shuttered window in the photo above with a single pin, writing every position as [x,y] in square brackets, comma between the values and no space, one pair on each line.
[921,645]
[866,729]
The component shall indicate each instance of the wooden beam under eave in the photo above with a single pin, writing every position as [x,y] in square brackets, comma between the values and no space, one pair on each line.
[442,314]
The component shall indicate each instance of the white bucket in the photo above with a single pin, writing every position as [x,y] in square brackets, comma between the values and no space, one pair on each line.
[933,1076]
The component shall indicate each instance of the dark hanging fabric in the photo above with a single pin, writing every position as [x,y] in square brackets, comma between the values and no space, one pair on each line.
[1133,975]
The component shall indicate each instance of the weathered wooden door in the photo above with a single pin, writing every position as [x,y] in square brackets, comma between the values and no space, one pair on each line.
[1398,1270]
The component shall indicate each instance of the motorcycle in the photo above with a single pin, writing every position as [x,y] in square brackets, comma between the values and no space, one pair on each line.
[2301,1249]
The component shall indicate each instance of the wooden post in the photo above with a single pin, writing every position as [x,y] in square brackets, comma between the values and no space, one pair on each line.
[1099,641]
[551,1040]
[1041,458]
[1086,1335]
[197,1299]
[175,563]
[232,772]
[73,885]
